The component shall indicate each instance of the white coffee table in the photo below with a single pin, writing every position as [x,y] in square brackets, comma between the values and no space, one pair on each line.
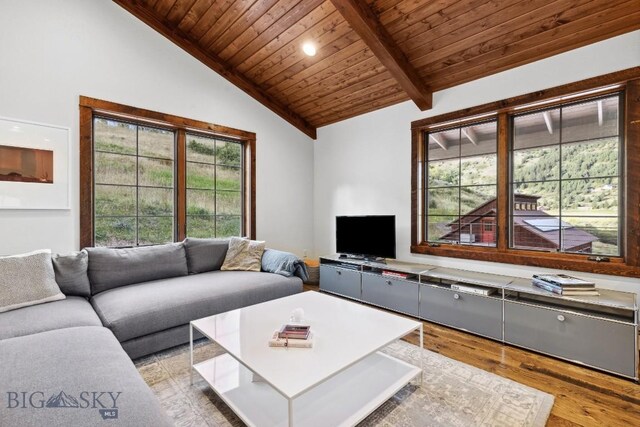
[338,382]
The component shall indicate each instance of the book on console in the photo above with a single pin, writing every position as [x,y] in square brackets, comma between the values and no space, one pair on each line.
[563,280]
[559,290]
[397,274]
[540,283]
[472,289]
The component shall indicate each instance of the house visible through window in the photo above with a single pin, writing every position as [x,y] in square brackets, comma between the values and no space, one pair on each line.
[566,162]
[566,179]
[461,181]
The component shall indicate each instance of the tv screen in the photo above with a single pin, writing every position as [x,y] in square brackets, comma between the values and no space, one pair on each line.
[368,236]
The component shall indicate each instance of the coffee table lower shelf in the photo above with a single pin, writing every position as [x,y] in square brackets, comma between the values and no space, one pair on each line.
[343,400]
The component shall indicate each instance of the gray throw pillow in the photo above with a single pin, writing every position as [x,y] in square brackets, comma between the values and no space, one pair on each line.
[71,273]
[26,280]
[205,254]
[244,255]
[112,268]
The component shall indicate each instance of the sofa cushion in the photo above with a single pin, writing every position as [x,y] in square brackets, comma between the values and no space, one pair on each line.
[141,309]
[71,273]
[68,366]
[205,254]
[111,268]
[66,313]
[27,279]
[243,255]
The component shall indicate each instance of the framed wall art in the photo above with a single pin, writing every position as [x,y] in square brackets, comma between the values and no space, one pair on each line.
[34,165]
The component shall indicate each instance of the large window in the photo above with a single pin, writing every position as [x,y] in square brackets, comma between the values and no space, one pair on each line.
[461,182]
[150,178]
[566,178]
[548,179]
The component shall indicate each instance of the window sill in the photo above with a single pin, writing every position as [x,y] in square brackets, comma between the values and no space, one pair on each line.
[615,266]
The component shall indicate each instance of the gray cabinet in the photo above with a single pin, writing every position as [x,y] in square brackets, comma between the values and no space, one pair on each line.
[394,294]
[479,314]
[604,343]
[600,332]
[341,281]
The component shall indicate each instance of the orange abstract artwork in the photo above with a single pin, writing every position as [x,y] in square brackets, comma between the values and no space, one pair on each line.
[20,164]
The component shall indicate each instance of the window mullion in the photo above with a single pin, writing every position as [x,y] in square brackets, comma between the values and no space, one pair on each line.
[503,179]
[560,199]
[137,242]
[180,185]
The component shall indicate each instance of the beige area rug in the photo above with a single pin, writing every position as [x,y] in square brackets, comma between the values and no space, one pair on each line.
[453,393]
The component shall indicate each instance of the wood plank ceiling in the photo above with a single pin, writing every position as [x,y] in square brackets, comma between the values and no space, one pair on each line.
[373,53]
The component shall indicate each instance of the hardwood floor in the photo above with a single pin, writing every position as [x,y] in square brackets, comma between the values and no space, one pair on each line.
[584,397]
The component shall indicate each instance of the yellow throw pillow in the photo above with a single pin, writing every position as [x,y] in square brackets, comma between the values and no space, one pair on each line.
[244,255]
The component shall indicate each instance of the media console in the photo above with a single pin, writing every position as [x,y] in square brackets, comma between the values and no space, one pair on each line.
[598,331]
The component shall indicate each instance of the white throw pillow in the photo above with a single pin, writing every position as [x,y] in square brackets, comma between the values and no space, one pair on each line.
[243,254]
[27,279]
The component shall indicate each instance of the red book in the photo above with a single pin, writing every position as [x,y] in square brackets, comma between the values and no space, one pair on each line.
[300,332]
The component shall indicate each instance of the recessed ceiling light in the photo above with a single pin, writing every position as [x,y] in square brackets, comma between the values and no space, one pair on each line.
[309,49]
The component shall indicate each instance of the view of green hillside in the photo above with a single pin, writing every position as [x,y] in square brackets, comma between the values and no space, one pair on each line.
[588,169]
[476,176]
[214,182]
[588,198]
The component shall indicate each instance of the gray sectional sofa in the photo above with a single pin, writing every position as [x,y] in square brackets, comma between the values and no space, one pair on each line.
[120,304]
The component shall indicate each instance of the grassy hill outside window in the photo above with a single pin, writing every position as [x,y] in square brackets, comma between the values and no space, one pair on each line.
[150,178]
[547,179]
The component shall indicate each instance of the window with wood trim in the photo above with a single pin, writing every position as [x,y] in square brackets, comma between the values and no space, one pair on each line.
[461,184]
[568,180]
[150,178]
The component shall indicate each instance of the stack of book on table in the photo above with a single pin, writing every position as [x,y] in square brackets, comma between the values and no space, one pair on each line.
[292,335]
[562,284]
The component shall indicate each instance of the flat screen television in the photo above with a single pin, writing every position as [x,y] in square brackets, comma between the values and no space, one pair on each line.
[372,236]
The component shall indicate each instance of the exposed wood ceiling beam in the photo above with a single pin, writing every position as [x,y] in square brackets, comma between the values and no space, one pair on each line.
[364,22]
[471,135]
[218,65]
[600,114]
[547,120]
[441,143]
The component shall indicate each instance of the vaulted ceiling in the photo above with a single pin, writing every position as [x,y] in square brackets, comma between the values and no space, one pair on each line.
[373,53]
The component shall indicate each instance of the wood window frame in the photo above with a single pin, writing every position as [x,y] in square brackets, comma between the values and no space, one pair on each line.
[91,107]
[625,81]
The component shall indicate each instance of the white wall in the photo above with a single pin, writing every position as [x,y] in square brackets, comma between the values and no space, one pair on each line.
[51,52]
[363,165]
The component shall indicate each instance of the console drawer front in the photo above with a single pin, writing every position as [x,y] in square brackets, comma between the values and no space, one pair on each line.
[596,342]
[341,281]
[474,313]
[394,294]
